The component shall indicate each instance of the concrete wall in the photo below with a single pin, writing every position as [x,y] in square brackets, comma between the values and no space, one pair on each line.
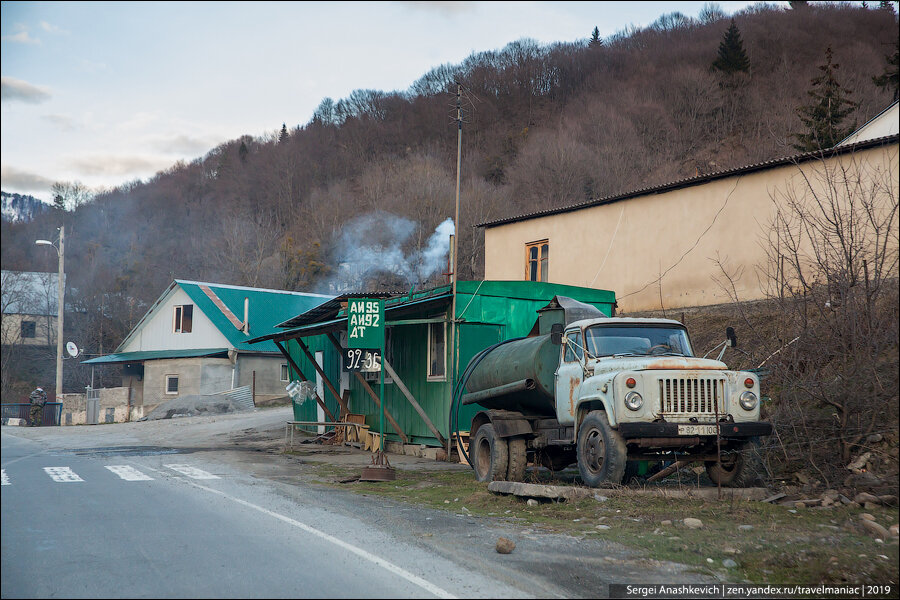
[196,376]
[268,374]
[662,250]
[114,403]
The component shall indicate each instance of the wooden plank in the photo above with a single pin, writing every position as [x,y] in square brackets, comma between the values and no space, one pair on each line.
[324,377]
[372,394]
[399,383]
[302,377]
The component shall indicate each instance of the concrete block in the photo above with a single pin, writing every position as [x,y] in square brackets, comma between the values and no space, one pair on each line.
[15,422]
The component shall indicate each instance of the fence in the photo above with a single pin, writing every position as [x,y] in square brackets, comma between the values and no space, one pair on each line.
[50,416]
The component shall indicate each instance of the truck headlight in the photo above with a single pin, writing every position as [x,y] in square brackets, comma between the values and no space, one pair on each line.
[633,401]
[748,400]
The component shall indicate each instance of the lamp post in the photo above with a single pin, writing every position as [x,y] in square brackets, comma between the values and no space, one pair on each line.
[60,303]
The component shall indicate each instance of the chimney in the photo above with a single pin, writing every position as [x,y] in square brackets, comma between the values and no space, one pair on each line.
[246,325]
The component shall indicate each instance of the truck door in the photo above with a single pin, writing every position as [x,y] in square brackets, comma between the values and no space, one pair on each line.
[569,376]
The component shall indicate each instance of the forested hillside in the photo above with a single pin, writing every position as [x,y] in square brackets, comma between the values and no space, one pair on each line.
[543,126]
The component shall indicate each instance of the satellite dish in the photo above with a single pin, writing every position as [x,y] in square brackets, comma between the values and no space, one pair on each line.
[72,349]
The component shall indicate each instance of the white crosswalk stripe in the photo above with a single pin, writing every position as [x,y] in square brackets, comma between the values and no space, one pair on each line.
[192,472]
[62,474]
[4,478]
[128,473]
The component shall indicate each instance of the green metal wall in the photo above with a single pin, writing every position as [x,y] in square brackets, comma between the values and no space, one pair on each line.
[332,366]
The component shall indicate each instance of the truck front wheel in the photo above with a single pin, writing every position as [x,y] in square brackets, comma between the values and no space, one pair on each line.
[602,454]
[490,455]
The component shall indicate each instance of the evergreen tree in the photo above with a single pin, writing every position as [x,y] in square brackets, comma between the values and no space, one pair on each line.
[243,151]
[284,133]
[732,58]
[890,78]
[824,116]
[595,41]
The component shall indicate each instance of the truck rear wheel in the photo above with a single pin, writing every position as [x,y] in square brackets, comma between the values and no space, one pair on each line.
[490,455]
[518,459]
[602,454]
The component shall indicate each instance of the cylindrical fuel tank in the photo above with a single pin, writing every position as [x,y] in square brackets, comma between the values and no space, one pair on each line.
[534,358]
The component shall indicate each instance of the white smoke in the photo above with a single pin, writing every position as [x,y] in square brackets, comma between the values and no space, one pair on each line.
[374,242]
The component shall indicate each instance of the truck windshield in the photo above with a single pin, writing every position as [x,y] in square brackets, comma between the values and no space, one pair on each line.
[637,340]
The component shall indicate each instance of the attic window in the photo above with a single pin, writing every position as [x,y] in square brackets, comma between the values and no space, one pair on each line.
[183,318]
[537,261]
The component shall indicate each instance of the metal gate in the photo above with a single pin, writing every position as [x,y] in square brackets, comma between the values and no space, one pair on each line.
[92,407]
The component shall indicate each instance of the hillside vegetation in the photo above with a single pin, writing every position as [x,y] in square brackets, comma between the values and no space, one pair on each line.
[544,126]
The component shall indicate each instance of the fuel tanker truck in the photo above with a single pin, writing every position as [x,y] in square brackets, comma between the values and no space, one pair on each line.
[607,393]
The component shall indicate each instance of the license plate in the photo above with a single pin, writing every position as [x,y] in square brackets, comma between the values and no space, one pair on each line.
[696,430]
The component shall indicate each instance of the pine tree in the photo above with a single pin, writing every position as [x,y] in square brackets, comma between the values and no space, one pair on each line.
[825,114]
[595,41]
[284,133]
[891,76]
[243,151]
[732,58]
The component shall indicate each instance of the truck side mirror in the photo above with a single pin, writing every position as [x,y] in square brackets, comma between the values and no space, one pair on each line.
[732,338]
[556,334]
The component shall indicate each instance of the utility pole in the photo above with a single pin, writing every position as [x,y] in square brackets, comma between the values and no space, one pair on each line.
[455,256]
[60,304]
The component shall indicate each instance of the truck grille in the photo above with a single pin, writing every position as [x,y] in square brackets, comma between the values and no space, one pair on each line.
[692,396]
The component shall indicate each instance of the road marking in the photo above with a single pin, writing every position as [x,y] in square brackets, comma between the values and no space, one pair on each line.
[386,565]
[62,474]
[128,473]
[4,478]
[192,472]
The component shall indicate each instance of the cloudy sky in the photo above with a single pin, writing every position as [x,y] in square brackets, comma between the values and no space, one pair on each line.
[104,93]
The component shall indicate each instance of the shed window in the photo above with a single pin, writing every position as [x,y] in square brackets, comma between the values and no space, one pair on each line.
[183,318]
[285,373]
[437,355]
[171,384]
[29,329]
[537,261]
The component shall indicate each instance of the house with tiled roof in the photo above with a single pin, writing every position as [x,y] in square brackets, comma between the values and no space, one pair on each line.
[193,341]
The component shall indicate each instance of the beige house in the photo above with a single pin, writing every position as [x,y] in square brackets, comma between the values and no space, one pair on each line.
[29,308]
[695,242]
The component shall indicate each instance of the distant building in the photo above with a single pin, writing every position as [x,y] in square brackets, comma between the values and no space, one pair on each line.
[693,242]
[29,302]
[194,341]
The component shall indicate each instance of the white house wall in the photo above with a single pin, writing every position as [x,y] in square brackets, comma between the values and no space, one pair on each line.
[157,332]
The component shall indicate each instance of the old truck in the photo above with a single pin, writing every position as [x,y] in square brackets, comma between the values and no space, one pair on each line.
[610,394]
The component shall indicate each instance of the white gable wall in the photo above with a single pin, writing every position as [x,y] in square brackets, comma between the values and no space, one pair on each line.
[157,333]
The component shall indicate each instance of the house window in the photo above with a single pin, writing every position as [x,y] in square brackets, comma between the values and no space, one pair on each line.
[171,384]
[437,355]
[29,329]
[183,318]
[537,261]
[285,373]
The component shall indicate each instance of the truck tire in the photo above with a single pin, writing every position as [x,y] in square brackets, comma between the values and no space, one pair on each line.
[602,454]
[518,459]
[737,470]
[490,455]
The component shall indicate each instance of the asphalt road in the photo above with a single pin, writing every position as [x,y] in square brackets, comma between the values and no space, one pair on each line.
[206,507]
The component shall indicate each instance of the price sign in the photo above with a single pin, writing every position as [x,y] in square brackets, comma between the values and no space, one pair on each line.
[364,360]
[365,323]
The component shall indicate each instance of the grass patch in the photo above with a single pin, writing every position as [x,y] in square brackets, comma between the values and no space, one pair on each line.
[803,547]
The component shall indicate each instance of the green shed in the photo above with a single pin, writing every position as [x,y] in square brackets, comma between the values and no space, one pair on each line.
[420,367]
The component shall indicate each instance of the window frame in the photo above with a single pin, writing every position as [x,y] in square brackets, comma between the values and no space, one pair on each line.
[429,376]
[541,261]
[169,378]
[285,372]
[182,314]
[30,329]
[577,346]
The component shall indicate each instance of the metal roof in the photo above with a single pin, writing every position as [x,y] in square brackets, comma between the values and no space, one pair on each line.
[700,179]
[125,357]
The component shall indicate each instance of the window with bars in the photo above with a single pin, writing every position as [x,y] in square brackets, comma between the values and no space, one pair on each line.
[537,261]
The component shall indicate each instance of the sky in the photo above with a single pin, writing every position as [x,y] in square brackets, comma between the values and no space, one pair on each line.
[106,93]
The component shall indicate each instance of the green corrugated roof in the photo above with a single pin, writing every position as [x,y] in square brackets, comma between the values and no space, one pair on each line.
[268,308]
[123,357]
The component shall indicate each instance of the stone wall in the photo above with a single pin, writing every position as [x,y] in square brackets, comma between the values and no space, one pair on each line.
[113,403]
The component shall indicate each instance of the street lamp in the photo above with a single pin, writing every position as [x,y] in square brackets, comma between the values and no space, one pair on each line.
[60,302]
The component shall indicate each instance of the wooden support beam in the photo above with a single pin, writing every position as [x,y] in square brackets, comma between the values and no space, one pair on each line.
[371,392]
[328,384]
[302,377]
[399,383]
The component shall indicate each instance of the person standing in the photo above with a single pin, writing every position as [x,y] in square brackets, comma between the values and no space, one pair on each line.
[38,399]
